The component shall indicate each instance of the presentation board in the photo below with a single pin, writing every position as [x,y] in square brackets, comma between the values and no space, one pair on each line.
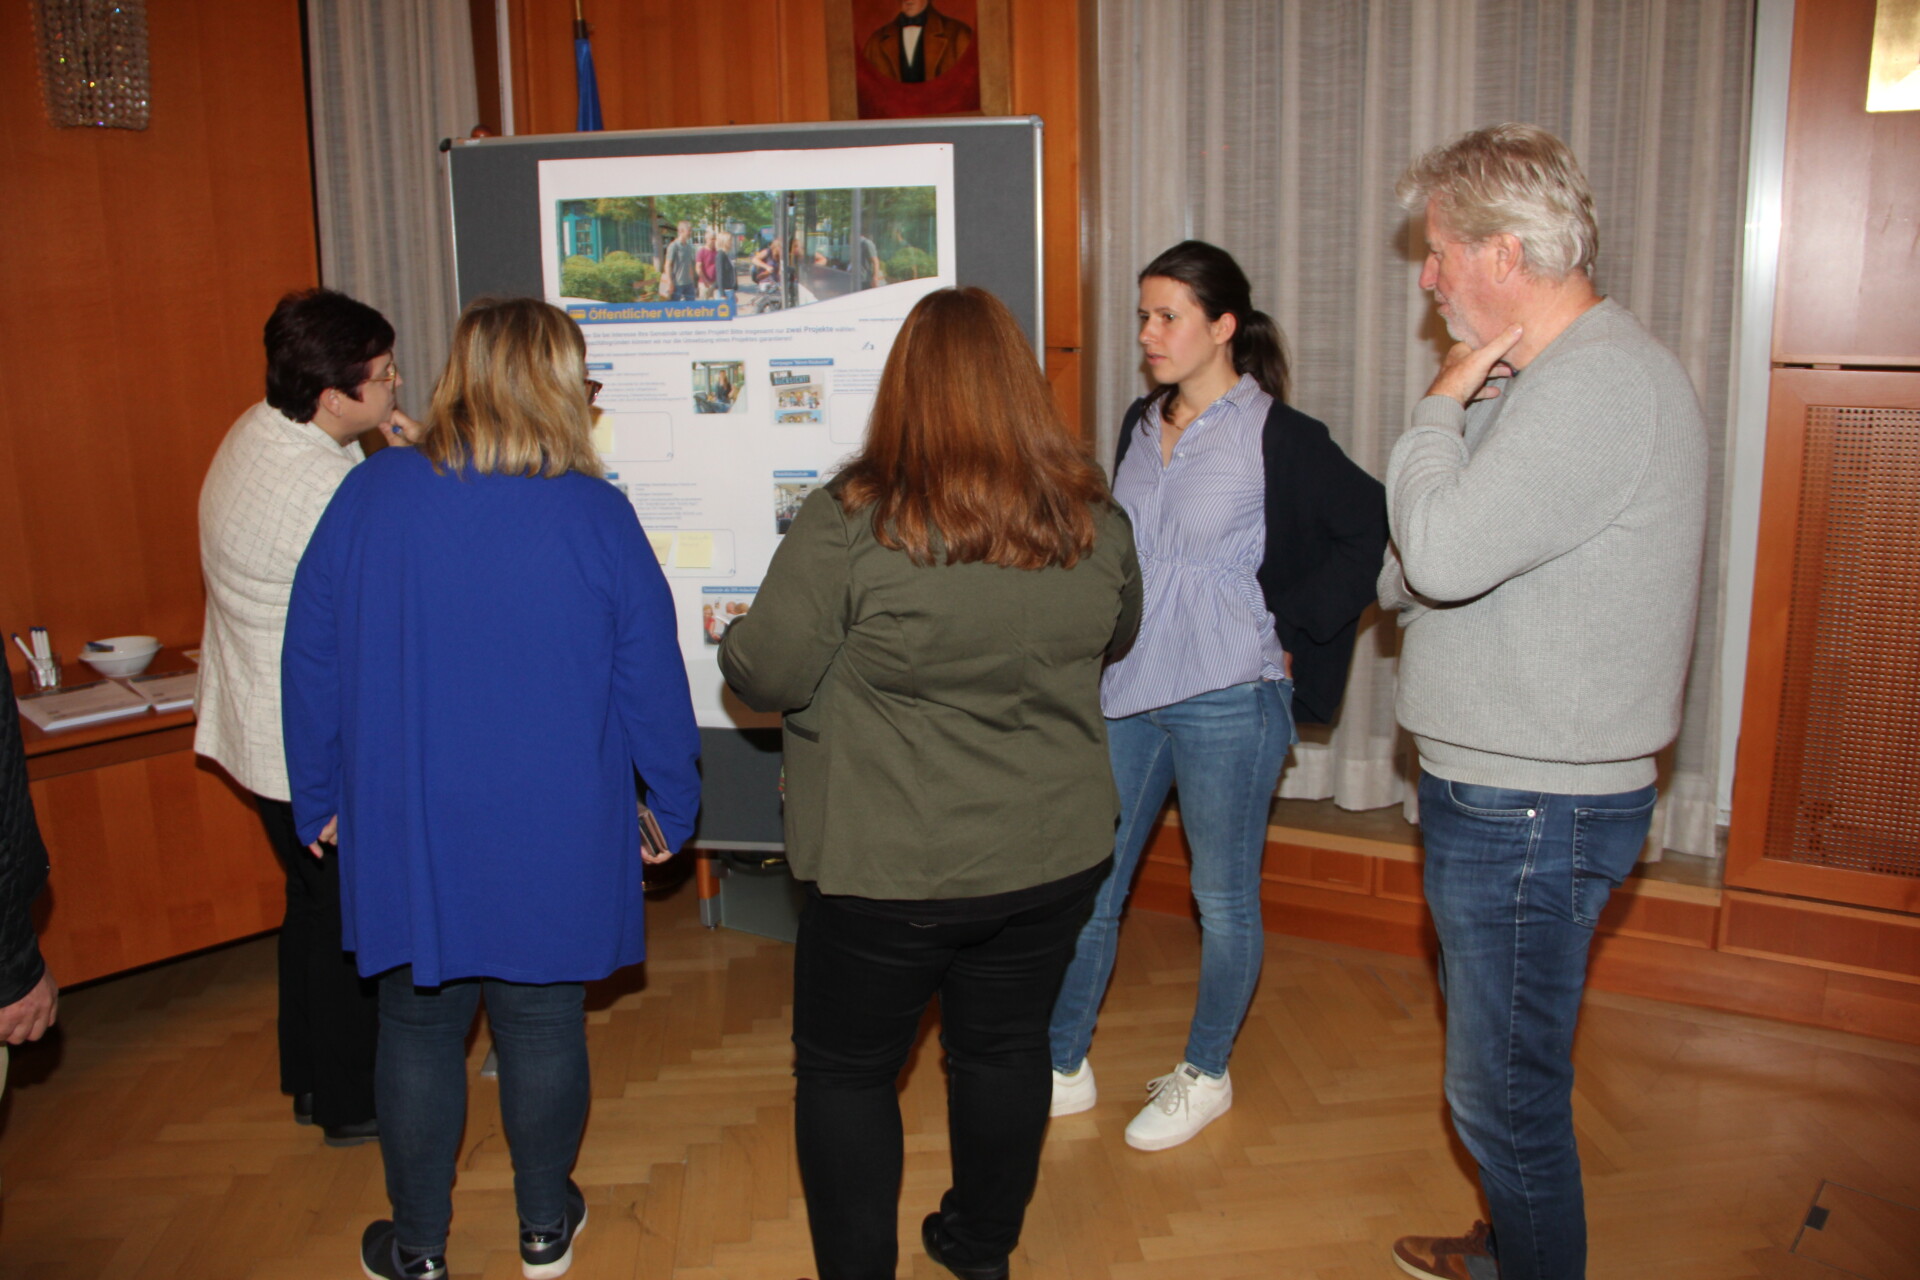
[739,289]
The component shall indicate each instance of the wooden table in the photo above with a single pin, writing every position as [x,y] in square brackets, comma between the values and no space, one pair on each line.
[155,852]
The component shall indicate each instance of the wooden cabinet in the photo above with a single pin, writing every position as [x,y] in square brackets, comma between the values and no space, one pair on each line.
[1851,204]
[154,852]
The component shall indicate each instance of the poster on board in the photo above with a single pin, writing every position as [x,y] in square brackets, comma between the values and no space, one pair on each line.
[738,309]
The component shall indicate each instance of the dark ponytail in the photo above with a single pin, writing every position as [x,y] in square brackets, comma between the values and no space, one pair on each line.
[1221,288]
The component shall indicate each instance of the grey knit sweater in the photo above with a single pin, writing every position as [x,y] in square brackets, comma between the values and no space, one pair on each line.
[1546,561]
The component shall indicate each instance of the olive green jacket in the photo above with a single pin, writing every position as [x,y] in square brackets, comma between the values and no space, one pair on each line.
[943,731]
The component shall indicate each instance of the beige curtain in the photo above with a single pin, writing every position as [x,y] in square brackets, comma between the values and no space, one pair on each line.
[388,82]
[1277,128]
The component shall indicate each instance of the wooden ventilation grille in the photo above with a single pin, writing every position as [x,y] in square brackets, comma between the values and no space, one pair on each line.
[1846,785]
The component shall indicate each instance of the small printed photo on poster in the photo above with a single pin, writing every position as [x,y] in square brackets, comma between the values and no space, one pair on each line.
[790,490]
[805,396]
[720,607]
[719,386]
[799,392]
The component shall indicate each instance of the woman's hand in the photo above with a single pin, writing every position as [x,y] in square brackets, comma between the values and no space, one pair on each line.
[329,834]
[401,429]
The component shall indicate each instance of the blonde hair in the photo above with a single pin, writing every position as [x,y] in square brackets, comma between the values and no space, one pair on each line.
[1513,179]
[513,399]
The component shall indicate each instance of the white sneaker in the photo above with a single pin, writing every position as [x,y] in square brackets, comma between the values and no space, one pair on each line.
[1073,1091]
[1179,1105]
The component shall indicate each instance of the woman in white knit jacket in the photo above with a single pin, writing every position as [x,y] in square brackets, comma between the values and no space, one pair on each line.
[330,380]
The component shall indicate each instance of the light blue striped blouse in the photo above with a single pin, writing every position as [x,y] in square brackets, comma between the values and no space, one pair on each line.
[1199,526]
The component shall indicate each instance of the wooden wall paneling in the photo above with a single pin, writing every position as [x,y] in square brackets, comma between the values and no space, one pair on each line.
[484,21]
[543,91]
[1877,944]
[1400,881]
[1066,381]
[1354,920]
[1871,1006]
[667,66]
[1710,978]
[1676,913]
[1768,770]
[1320,868]
[1848,274]
[1089,202]
[802,66]
[141,266]
[1046,83]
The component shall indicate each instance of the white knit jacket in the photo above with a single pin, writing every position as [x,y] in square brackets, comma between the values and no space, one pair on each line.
[268,485]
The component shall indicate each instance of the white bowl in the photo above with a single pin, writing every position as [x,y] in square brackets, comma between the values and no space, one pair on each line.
[125,655]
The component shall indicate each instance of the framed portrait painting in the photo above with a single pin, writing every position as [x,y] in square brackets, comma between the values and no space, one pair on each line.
[889,59]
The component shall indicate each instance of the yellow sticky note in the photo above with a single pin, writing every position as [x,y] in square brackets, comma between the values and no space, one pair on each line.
[662,544]
[693,550]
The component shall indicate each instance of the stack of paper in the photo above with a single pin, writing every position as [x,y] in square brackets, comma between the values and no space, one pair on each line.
[81,704]
[167,691]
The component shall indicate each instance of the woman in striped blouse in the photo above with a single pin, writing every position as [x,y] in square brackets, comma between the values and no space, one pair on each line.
[1259,541]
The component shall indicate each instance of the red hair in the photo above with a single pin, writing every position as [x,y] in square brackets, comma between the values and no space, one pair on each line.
[966,457]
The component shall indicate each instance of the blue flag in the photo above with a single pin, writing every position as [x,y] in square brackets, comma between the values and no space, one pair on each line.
[588,117]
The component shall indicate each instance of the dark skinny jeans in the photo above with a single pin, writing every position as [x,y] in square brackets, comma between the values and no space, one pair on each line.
[862,981]
[541,1034]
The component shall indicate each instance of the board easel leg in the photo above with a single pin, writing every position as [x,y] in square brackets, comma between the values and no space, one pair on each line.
[707,882]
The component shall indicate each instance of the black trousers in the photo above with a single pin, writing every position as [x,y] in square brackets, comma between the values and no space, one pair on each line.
[861,983]
[329,1014]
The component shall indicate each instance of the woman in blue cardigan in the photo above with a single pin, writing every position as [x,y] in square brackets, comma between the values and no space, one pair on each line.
[1259,542]
[480,655]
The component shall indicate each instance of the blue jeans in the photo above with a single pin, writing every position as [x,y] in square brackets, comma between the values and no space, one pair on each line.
[1224,749]
[420,1085]
[1516,881]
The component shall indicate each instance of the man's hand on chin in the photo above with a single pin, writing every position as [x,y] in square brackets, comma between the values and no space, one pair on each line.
[1465,370]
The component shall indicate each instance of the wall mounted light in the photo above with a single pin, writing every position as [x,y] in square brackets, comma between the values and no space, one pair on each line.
[93,62]
[1893,81]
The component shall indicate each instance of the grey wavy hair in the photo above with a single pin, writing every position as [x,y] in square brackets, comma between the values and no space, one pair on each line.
[1513,179]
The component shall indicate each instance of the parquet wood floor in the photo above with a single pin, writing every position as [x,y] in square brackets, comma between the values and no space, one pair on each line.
[149,1141]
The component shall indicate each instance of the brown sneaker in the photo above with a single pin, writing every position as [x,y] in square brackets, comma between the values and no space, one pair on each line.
[1447,1257]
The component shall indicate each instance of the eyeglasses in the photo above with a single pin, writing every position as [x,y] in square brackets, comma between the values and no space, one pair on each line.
[593,390]
[391,375]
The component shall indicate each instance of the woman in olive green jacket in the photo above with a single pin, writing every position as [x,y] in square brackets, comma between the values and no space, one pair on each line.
[934,625]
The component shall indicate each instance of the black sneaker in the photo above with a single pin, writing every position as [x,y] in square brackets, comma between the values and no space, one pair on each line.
[382,1258]
[544,1254]
[303,1108]
[934,1238]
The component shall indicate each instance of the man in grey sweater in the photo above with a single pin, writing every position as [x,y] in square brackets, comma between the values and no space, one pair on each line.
[1548,508]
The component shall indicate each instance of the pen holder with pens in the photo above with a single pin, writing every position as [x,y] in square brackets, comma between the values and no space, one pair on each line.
[43,664]
[45,673]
